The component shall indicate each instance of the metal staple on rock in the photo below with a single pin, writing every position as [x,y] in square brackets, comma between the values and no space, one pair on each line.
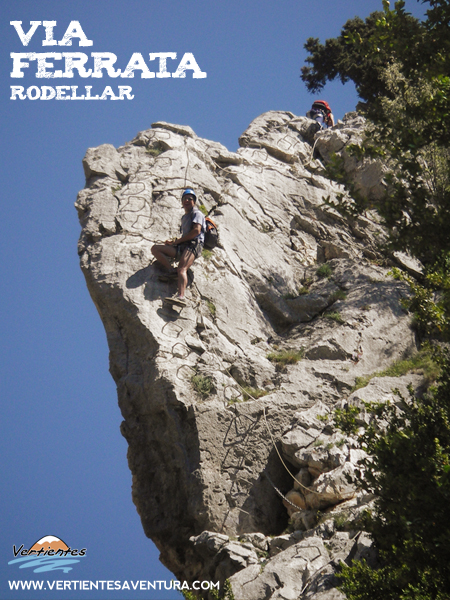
[226,369]
[264,415]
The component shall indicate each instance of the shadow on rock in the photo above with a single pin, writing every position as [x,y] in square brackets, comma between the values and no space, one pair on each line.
[140,277]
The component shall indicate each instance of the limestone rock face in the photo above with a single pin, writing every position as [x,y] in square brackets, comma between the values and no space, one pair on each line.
[220,426]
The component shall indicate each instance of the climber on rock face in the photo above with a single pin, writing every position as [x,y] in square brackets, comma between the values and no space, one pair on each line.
[184,249]
[321,113]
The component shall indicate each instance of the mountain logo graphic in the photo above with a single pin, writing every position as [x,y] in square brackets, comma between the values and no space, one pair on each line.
[49,553]
[50,542]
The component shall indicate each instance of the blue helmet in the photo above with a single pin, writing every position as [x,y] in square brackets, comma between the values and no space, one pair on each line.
[190,192]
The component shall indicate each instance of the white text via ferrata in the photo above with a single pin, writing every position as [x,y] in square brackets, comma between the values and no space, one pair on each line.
[67,65]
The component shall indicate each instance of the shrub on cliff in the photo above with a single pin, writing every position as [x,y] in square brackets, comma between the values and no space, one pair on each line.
[408,469]
[400,67]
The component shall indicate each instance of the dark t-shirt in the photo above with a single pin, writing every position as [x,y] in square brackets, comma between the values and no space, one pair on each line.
[195,216]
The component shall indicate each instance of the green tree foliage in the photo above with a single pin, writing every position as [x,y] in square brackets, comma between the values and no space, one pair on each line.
[408,469]
[401,69]
[352,56]
[409,130]
[411,135]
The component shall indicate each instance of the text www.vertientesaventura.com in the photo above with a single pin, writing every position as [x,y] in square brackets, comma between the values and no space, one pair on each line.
[111,585]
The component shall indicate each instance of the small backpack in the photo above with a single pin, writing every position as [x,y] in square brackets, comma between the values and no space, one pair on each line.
[211,234]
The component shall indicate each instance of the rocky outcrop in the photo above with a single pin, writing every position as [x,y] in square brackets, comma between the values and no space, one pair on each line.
[225,402]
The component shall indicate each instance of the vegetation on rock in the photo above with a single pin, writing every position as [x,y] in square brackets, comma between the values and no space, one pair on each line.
[252,393]
[401,70]
[422,362]
[202,384]
[286,357]
[324,270]
[212,307]
[408,469]
[155,151]
[337,295]
[336,317]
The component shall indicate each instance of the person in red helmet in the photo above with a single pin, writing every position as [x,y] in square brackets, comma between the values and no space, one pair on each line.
[321,113]
[186,248]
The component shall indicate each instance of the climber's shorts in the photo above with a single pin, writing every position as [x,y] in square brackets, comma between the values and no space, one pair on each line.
[194,246]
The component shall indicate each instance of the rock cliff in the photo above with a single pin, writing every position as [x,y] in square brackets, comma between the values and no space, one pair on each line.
[225,401]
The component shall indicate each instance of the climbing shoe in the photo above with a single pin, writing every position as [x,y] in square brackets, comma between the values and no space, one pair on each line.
[175,299]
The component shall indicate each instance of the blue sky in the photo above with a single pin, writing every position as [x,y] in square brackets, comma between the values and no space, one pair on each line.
[64,461]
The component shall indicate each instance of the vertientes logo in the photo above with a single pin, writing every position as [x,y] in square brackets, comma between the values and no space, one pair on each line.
[49,553]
